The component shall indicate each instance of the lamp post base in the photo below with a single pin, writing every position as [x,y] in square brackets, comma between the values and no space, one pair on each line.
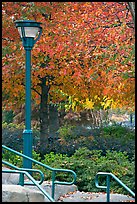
[27,148]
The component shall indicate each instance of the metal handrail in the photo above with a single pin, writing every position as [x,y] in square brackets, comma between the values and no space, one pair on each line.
[32,179]
[24,169]
[54,170]
[108,184]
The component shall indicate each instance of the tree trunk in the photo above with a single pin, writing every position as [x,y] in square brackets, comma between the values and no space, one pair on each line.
[132,10]
[53,121]
[44,115]
[49,121]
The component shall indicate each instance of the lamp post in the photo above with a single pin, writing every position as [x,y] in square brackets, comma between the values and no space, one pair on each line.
[30,32]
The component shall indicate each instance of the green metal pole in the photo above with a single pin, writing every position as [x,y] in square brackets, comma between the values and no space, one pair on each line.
[108,188]
[27,133]
[53,185]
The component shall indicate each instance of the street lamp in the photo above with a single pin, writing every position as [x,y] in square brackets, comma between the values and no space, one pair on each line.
[30,32]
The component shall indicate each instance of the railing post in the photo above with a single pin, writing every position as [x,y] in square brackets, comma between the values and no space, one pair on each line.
[108,188]
[21,179]
[53,184]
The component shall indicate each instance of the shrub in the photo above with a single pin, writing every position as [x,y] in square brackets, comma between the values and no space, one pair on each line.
[111,138]
[117,131]
[71,138]
[7,116]
[12,158]
[117,138]
[90,162]
[12,136]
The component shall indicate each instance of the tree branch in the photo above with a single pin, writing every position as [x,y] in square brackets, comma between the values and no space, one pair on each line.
[35,91]
[7,39]
[32,89]
[131,6]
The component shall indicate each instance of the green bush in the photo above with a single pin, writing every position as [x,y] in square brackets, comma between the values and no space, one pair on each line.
[12,158]
[117,131]
[112,138]
[87,163]
[71,138]
[117,138]
[7,116]
[12,136]
[66,133]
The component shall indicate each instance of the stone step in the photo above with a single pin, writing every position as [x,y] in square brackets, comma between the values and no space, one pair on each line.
[11,192]
[16,193]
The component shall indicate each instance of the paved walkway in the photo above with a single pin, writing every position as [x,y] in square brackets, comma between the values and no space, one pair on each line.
[94,197]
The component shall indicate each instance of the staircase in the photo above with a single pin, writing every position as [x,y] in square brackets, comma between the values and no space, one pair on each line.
[11,192]
[16,193]
[23,175]
[19,186]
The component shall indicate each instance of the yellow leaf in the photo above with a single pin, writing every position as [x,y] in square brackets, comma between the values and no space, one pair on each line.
[89,104]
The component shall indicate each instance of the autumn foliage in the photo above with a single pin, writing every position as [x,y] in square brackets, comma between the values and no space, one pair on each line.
[85,54]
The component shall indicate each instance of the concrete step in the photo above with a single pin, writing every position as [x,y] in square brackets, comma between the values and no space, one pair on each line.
[11,192]
[16,193]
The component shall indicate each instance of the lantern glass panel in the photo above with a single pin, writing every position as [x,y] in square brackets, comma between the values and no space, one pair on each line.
[29,31]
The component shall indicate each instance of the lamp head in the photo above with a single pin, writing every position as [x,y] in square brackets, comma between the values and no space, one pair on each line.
[29,30]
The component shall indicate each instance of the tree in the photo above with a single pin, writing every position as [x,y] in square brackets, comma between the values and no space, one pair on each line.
[85,56]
